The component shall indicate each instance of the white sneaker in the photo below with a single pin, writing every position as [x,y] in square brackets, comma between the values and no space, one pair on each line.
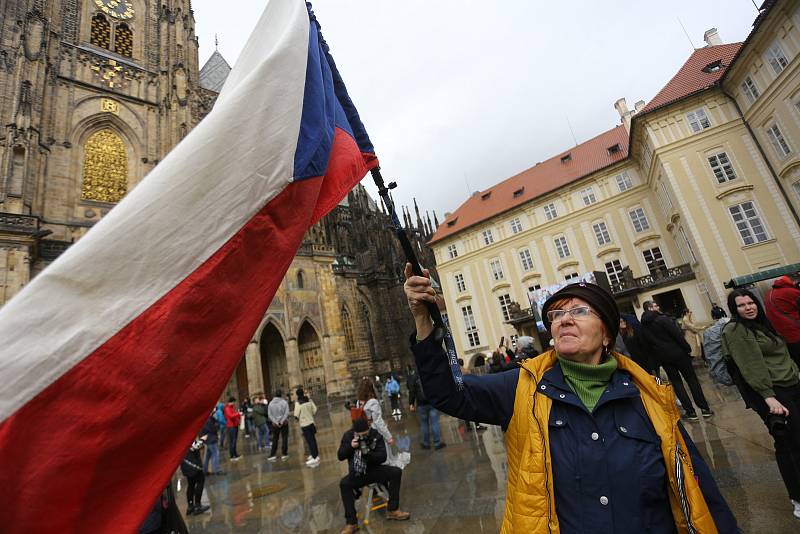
[284,457]
[796,508]
[309,458]
[313,462]
[272,458]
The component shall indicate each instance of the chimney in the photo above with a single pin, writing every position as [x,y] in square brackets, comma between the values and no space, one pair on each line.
[624,114]
[639,106]
[712,37]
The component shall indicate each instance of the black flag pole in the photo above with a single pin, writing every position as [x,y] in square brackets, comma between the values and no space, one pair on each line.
[441,332]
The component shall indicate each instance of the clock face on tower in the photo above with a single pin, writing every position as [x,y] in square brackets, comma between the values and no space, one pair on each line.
[119,9]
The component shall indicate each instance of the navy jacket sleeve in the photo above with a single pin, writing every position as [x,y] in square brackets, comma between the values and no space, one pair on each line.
[345,449]
[484,399]
[723,517]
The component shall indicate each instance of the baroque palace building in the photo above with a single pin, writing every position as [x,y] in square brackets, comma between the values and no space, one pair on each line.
[94,93]
[691,191]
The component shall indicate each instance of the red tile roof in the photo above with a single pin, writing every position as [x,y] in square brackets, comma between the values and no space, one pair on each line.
[691,78]
[547,176]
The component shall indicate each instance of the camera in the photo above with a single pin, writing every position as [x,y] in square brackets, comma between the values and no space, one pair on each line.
[778,425]
[363,444]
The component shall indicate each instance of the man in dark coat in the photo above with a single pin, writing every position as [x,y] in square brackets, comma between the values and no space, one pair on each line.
[661,337]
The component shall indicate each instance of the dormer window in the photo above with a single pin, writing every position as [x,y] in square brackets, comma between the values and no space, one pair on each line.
[714,66]
[615,149]
[452,223]
[518,192]
[486,196]
[566,159]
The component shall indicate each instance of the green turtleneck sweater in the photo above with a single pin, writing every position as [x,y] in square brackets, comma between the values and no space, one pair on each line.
[586,380]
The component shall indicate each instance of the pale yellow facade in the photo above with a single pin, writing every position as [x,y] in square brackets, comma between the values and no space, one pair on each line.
[689,208]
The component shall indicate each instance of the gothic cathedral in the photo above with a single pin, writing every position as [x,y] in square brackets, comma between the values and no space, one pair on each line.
[94,93]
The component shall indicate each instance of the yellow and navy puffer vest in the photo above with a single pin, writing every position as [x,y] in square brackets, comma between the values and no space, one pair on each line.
[530,502]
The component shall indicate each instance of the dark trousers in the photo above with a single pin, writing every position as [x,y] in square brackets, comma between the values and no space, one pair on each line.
[310,433]
[283,432]
[382,474]
[233,435]
[794,352]
[395,401]
[787,440]
[194,490]
[683,368]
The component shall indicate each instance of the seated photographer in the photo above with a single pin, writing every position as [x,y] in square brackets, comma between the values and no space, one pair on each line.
[365,451]
[594,443]
[767,379]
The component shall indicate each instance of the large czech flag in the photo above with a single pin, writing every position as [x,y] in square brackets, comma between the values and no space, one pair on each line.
[113,357]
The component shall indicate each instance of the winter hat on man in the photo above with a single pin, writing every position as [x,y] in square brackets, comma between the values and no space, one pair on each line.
[360,425]
[598,298]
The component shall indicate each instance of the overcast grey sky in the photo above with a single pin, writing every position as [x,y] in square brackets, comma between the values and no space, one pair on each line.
[458,95]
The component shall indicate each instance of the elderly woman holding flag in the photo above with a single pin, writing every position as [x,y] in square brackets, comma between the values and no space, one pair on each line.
[594,442]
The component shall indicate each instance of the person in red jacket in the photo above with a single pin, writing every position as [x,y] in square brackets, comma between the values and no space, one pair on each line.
[782,305]
[232,418]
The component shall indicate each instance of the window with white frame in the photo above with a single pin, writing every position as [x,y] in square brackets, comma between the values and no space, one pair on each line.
[639,220]
[688,245]
[470,326]
[654,260]
[497,270]
[525,259]
[601,233]
[614,271]
[571,276]
[516,225]
[782,148]
[452,251]
[624,182]
[748,223]
[550,212]
[488,237]
[561,247]
[722,167]
[588,196]
[698,120]
[461,286]
[777,58]
[750,89]
[505,306]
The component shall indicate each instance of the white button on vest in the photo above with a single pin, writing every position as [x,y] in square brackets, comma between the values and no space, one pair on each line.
[604,500]
[595,436]
[624,383]
[559,422]
[561,396]
[623,429]
[543,387]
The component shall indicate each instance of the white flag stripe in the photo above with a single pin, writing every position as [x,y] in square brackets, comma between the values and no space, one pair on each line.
[201,194]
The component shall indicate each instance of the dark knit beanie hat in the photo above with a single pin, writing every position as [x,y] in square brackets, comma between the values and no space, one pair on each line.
[360,425]
[598,298]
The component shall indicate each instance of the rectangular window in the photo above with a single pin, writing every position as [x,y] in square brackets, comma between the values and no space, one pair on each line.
[698,120]
[776,57]
[471,327]
[452,251]
[749,224]
[460,285]
[488,238]
[601,233]
[550,212]
[639,220]
[655,261]
[750,89]
[614,271]
[505,306]
[624,182]
[497,270]
[588,196]
[722,167]
[561,247]
[688,245]
[534,287]
[516,225]
[571,276]
[525,259]
[779,143]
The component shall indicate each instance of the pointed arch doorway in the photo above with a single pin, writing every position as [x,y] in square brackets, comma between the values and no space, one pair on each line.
[274,369]
[311,364]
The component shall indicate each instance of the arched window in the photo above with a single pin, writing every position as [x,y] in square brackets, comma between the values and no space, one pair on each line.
[105,167]
[123,40]
[300,280]
[101,32]
[347,328]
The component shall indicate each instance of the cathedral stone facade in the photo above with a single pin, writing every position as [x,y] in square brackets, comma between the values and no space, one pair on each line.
[93,94]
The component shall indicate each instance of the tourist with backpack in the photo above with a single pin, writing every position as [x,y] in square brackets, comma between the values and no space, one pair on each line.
[393,390]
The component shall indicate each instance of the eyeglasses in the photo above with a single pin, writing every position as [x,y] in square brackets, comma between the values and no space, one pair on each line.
[581,312]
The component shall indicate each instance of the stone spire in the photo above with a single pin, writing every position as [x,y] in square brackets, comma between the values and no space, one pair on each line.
[419,219]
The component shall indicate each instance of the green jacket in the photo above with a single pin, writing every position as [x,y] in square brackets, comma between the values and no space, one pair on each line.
[259,414]
[763,361]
